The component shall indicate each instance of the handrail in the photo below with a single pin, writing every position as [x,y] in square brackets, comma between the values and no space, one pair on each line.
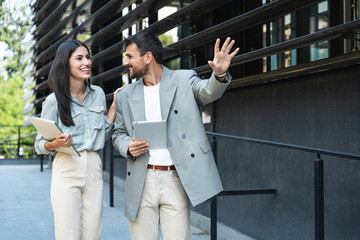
[290,146]
[318,179]
[255,17]
[14,140]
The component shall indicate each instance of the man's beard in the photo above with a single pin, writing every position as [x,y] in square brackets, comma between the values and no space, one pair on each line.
[139,73]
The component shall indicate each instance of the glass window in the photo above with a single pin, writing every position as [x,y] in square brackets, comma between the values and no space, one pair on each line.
[357,15]
[267,1]
[269,38]
[284,29]
[170,36]
[319,20]
[289,33]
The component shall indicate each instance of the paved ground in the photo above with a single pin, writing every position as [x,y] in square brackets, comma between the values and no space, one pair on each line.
[25,211]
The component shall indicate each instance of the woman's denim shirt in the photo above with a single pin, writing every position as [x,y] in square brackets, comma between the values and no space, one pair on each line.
[92,128]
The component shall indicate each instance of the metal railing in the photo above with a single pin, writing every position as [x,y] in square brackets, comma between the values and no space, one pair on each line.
[17,141]
[318,178]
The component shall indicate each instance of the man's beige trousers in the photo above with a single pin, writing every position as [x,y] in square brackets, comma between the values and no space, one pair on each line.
[163,202]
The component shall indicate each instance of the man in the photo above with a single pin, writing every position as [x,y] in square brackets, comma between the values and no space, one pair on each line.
[160,182]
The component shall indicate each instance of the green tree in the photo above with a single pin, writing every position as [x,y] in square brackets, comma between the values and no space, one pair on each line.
[15,22]
[167,40]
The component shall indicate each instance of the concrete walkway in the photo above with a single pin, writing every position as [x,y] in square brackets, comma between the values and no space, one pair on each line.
[25,210]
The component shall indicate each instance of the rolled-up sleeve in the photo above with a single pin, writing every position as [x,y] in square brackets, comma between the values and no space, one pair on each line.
[40,146]
[108,126]
[48,112]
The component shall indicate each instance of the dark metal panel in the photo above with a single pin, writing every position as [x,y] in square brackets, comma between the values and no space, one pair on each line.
[39,4]
[249,19]
[51,19]
[336,16]
[255,17]
[330,33]
[180,17]
[105,10]
[116,27]
[306,68]
[109,7]
[317,110]
[43,71]
[41,86]
[326,34]
[114,11]
[113,73]
[45,9]
[51,36]
[39,100]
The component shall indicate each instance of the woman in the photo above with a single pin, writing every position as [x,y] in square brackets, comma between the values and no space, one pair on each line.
[79,109]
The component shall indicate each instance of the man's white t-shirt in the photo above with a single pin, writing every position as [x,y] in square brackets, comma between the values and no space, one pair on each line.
[160,157]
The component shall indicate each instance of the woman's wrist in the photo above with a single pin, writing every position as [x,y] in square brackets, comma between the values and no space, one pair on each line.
[49,146]
[112,112]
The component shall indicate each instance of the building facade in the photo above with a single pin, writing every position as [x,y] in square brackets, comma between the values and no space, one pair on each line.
[294,83]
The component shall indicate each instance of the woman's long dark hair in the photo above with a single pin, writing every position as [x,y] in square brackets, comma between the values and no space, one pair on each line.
[59,79]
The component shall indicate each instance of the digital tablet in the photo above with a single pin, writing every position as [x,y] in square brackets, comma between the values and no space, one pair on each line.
[154,132]
[49,130]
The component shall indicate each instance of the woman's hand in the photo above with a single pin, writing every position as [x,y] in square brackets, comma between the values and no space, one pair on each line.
[61,140]
[112,109]
[115,93]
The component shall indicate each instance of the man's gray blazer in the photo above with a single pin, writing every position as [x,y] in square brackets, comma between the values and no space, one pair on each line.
[180,93]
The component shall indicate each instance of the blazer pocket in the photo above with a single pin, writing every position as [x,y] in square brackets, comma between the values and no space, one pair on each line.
[205,146]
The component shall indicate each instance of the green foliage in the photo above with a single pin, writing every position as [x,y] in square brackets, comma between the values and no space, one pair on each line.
[13,27]
[11,104]
[167,40]
[84,37]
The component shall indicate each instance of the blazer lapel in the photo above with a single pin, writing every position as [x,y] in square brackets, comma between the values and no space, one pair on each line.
[167,92]
[137,103]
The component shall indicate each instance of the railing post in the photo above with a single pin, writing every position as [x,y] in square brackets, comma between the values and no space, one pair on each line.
[104,156]
[213,226]
[111,180]
[319,197]
[18,142]
[214,200]
[42,163]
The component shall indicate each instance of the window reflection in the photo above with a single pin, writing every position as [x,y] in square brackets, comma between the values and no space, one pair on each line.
[320,21]
[285,29]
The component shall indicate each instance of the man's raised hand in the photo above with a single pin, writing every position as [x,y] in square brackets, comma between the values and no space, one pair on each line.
[222,57]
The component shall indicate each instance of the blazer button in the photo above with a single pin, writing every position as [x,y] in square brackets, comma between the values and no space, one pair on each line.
[183,136]
[175,111]
[129,173]
[192,155]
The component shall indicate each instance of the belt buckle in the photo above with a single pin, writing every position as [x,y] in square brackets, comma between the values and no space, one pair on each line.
[168,167]
[153,167]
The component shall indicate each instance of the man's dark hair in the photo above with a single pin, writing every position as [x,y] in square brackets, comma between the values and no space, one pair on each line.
[146,42]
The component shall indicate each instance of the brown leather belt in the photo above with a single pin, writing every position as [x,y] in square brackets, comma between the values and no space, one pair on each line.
[168,168]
